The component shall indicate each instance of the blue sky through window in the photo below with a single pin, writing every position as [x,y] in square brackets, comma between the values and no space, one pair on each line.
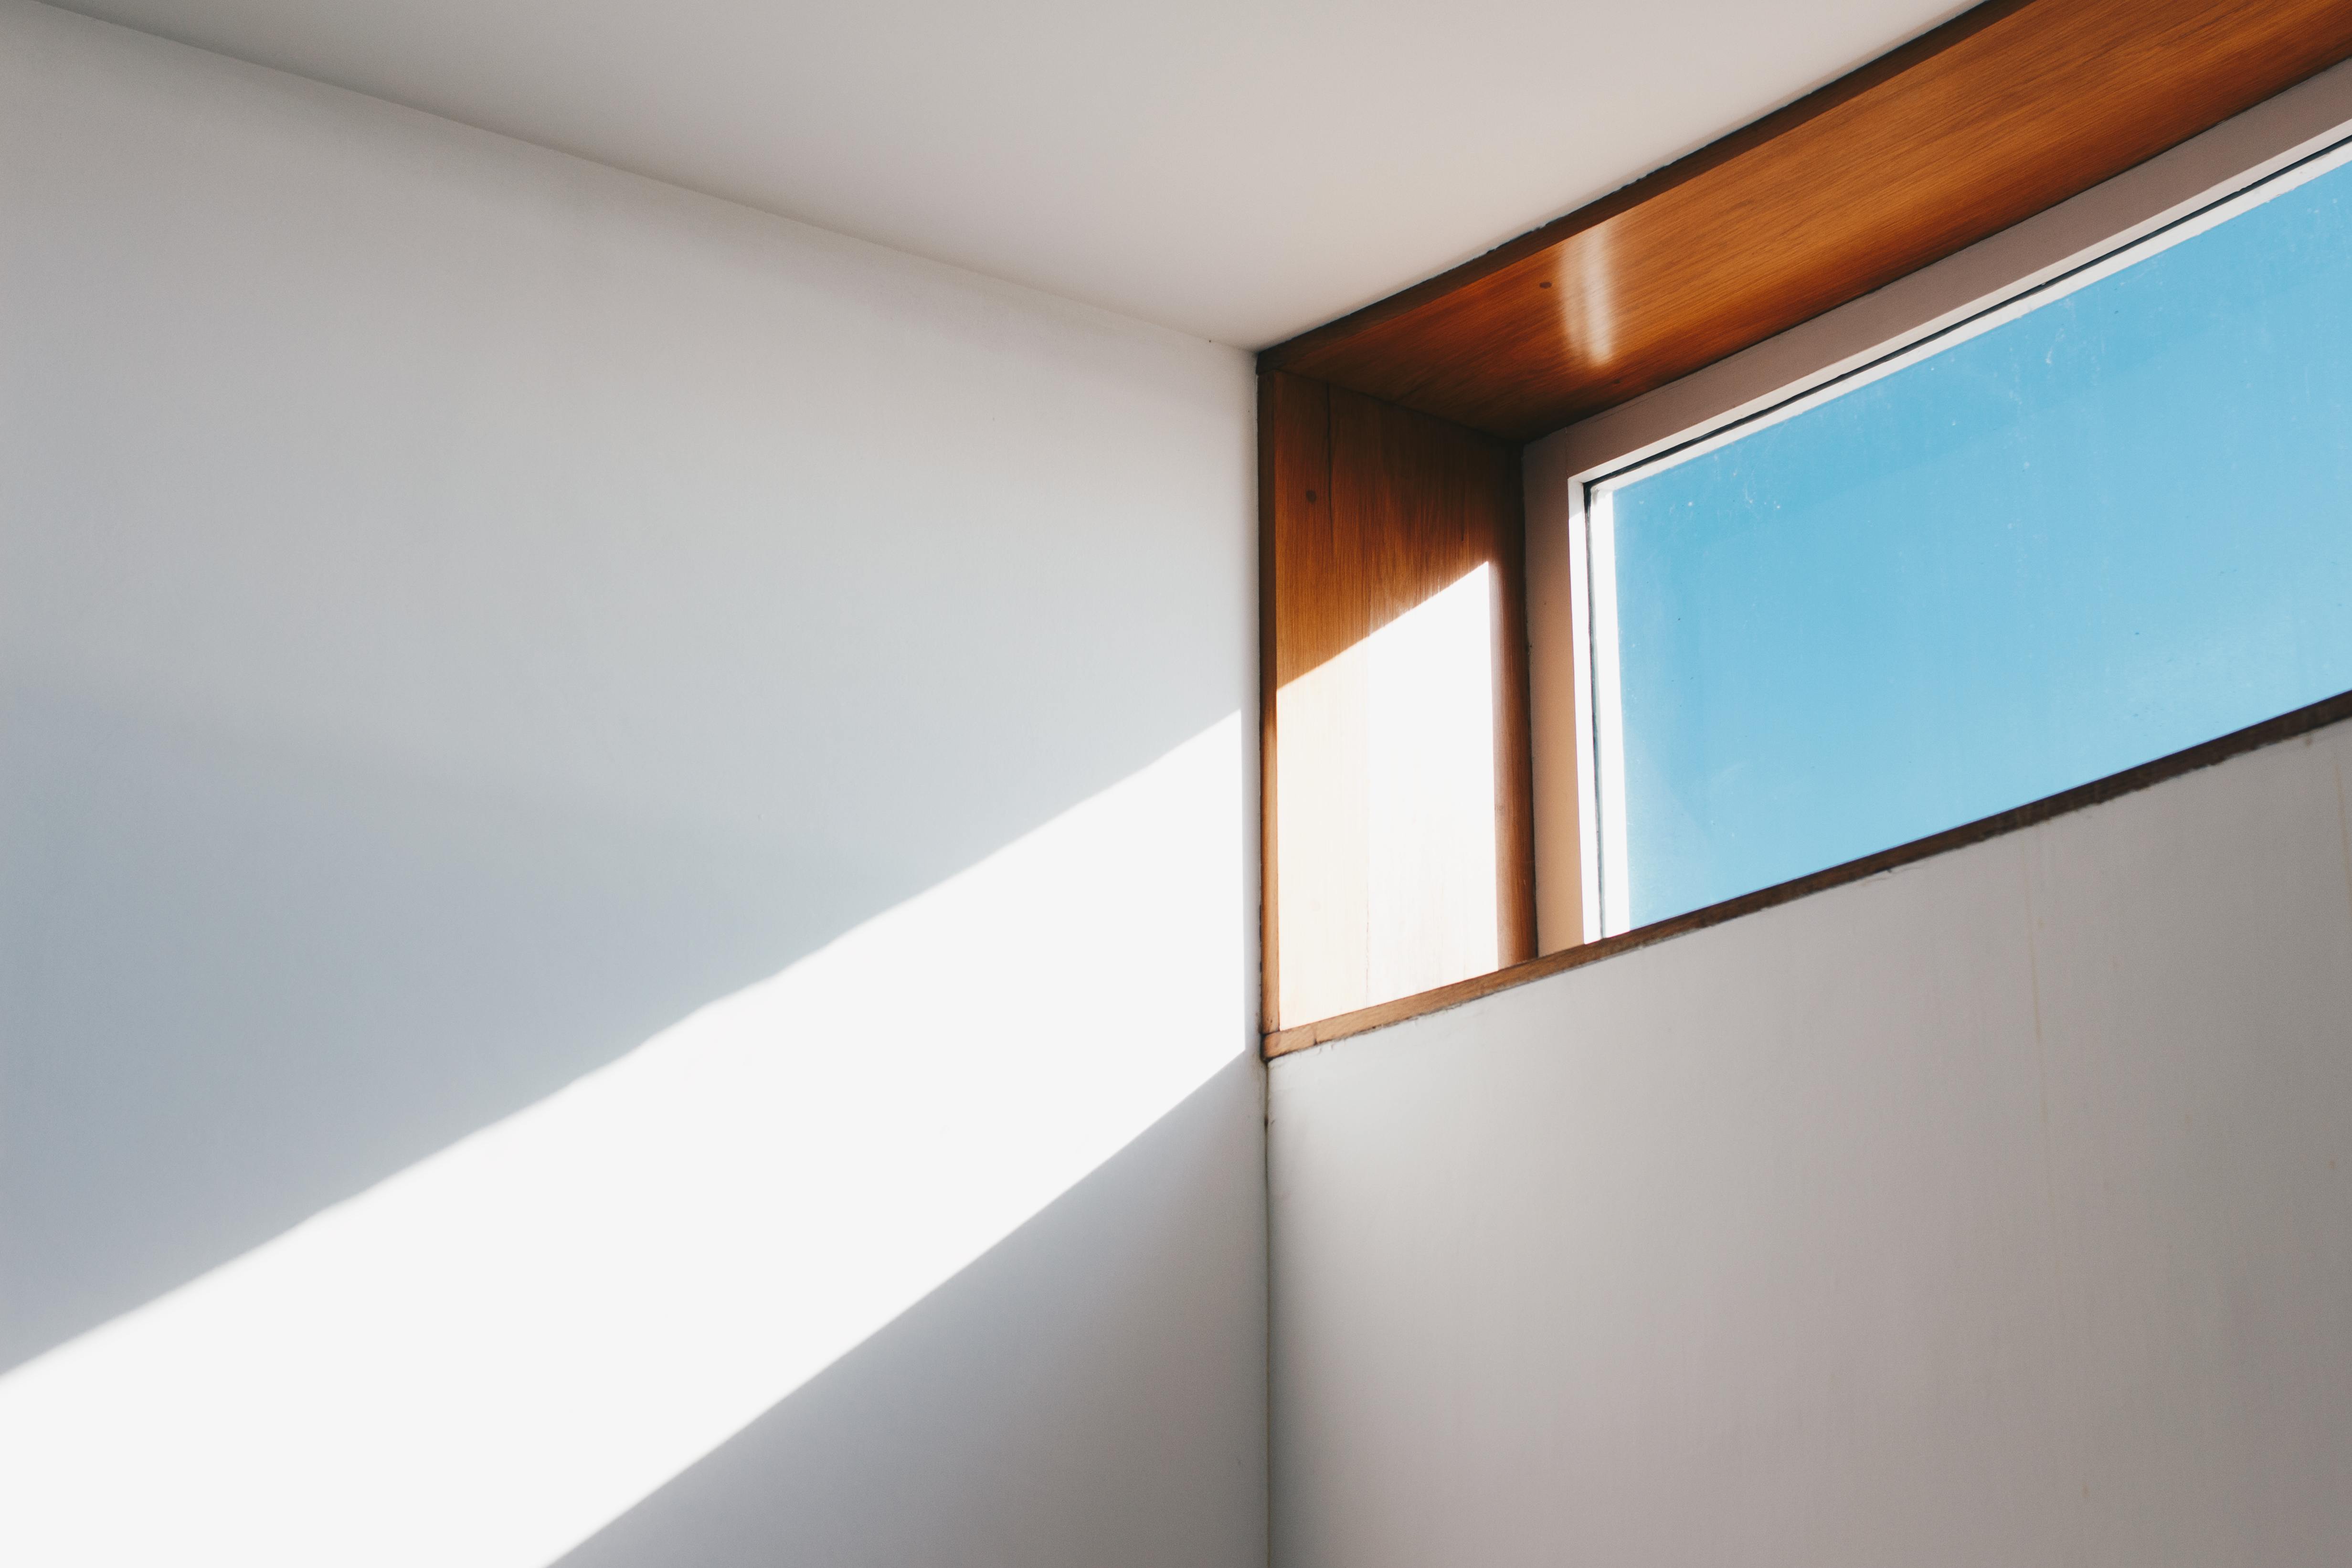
[2111,528]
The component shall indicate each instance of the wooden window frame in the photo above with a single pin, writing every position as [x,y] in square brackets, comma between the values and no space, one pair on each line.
[1999,115]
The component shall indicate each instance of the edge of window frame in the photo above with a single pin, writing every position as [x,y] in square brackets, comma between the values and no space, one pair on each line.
[2297,723]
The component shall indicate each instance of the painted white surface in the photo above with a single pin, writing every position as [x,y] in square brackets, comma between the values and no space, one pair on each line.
[581,771]
[1995,1210]
[1563,710]
[1238,168]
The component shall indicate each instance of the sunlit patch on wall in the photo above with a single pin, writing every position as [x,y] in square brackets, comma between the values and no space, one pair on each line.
[489,1356]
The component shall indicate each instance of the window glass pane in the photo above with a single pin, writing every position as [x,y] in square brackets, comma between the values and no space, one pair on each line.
[2109,528]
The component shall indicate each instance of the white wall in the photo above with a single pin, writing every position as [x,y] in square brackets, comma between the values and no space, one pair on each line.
[625,902]
[1997,1209]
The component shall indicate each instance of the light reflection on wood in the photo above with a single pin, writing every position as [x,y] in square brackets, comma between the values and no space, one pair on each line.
[2005,111]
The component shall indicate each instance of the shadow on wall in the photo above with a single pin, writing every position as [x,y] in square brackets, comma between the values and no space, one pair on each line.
[1095,1373]
[247,978]
[244,982]
[462,608]
[597,793]
[497,1350]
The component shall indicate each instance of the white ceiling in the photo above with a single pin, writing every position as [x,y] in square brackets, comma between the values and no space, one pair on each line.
[1238,168]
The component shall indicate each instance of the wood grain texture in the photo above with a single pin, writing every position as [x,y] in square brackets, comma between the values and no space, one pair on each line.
[2002,113]
[2286,727]
[1294,484]
[1515,803]
[1294,479]
[1269,858]
[1367,511]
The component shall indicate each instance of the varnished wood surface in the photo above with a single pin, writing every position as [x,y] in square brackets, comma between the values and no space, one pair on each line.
[2286,727]
[1411,505]
[1293,472]
[1515,799]
[1367,511]
[2006,111]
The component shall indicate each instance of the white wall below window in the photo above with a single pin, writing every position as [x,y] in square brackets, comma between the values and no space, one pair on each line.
[1997,1209]
[626,876]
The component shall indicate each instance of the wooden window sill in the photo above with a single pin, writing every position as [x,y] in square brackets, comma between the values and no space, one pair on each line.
[2254,737]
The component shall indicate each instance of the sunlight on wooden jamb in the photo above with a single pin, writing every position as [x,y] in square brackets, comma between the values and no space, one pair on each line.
[1385,816]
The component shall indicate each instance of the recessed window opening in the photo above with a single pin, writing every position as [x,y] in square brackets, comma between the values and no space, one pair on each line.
[2099,521]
